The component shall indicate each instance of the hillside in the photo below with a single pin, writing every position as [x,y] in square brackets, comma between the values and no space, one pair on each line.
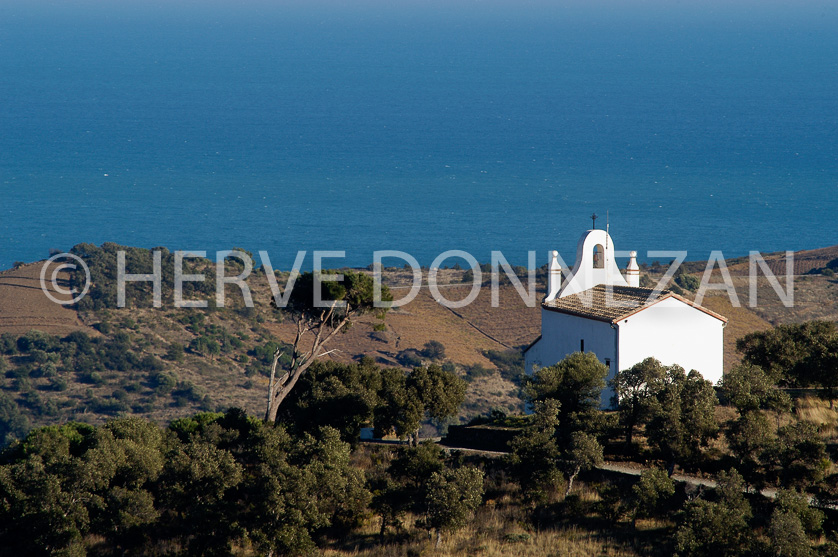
[166,363]
[23,305]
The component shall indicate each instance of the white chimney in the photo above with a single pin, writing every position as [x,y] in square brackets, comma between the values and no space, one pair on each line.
[554,277]
[632,270]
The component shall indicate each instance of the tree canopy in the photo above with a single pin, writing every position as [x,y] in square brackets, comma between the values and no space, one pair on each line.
[202,484]
[796,355]
[576,383]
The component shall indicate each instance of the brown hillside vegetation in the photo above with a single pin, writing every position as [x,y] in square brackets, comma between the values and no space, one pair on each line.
[466,332]
[805,261]
[236,378]
[815,296]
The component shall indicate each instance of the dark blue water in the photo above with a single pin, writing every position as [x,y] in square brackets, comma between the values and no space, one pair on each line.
[422,127]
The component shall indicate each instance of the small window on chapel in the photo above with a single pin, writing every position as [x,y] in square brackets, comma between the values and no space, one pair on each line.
[582,345]
[599,257]
[608,363]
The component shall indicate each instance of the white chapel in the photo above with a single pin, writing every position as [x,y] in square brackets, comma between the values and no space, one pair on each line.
[598,309]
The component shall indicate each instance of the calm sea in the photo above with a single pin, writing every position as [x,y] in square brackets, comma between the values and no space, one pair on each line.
[423,127]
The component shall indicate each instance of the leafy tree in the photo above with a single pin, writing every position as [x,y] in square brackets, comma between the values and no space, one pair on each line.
[398,410]
[206,346]
[536,453]
[584,453]
[424,393]
[652,493]
[43,493]
[8,344]
[198,477]
[788,538]
[749,388]
[402,488]
[684,417]
[798,355]
[440,392]
[289,490]
[316,326]
[576,383]
[799,456]
[13,424]
[687,282]
[636,390]
[712,528]
[452,497]
[797,503]
[342,396]
[750,440]
[162,383]
[203,485]
[175,352]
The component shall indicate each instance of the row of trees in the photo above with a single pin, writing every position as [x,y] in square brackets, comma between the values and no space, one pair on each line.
[210,484]
[219,483]
[348,397]
[676,408]
[676,411]
[200,485]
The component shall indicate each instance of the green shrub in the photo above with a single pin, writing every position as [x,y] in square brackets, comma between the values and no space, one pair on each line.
[433,350]
[510,363]
[409,358]
[93,378]
[175,352]
[688,282]
[58,383]
[477,370]
[162,383]
[8,344]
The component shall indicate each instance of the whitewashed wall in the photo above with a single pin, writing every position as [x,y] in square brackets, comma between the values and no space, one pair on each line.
[674,333]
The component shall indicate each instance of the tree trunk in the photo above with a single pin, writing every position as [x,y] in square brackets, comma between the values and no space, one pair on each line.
[269,411]
[300,361]
[438,538]
[570,481]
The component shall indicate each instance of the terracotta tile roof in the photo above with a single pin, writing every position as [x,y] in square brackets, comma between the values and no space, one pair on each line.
[621,302]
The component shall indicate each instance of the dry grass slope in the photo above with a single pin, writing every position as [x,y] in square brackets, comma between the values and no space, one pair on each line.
[24,306]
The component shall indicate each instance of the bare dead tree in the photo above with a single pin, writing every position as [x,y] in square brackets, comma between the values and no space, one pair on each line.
[316,326]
